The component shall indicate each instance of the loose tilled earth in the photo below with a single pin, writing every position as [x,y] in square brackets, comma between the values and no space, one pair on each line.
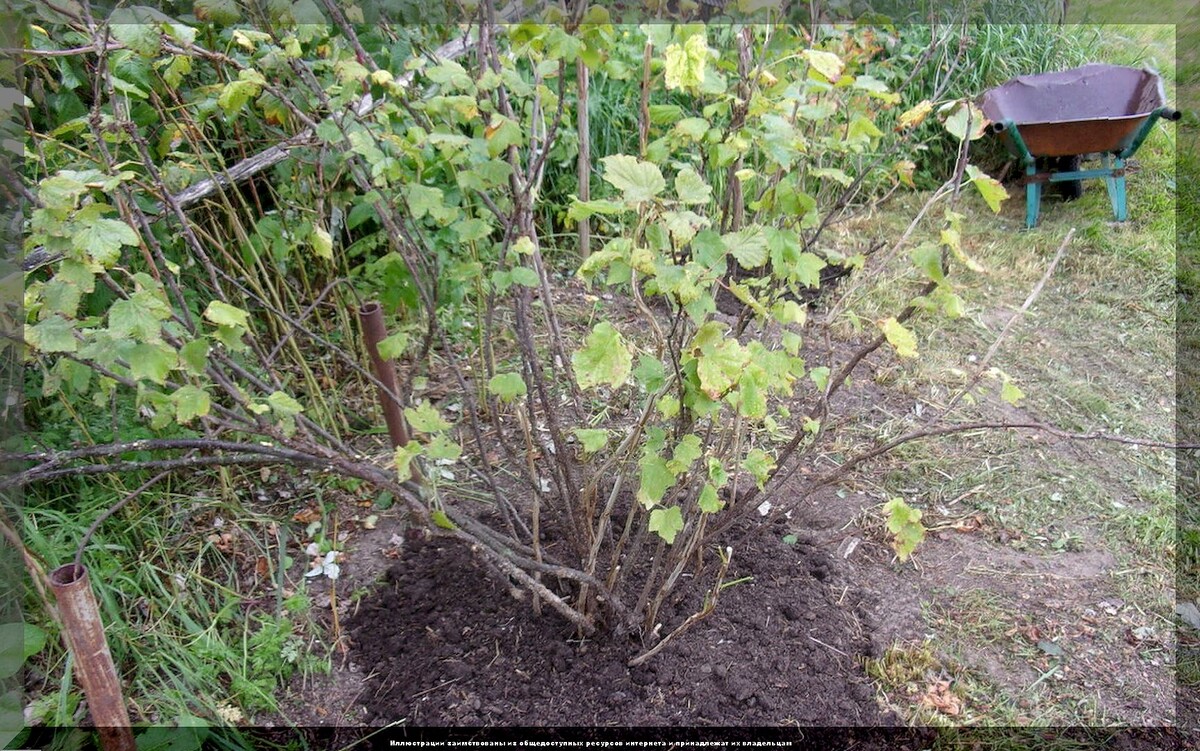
[437,641]
[1019,629]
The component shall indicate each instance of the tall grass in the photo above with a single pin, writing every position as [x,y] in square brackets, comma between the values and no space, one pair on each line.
[992,54]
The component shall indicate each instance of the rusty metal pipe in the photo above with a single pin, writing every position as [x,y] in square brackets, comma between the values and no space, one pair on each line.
[93,660]
[370,315]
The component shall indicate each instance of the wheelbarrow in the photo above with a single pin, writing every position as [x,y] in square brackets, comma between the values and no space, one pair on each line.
[1059,118]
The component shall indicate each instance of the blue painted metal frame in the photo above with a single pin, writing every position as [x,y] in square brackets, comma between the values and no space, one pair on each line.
[1113,170]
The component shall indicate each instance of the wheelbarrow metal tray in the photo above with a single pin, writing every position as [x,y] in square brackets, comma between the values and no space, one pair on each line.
[1096,108]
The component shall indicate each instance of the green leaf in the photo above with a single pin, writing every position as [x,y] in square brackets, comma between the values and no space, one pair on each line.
[581,210]
[62,191]
[439,518]
[820,377]
[139,317]
[403,458]
[685,454]
[152,361]
[666,523]
[443,449]
[990,188]
[218,11]
[235,94]
[393,346]
[655,479]
[720,366]
[102,240]
[690,187]
[472,230]
[650,373]
[604,358]
[716,473]
[1011,393]
[693,128]
[708,501]
[60,296]
[55,334]
[503,133]
[35,641]
[592,439]
[928,258]
[833,173]
[137,29]
[423,200]
[637,180]
[231,337]
[759,464]
[194,356]
[904,522]
[748,246]
[284,405]
[789,311]
[524,276]
[751,402]
[12,642]
[807,270]
[224,314]
[899,337]
[507,386]
[190,402]
[424,418]
[862,126]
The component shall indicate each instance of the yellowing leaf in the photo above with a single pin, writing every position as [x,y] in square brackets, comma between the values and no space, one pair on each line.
[322,243]
[224,314]
[827,64]
[404,456]
[604,358]
[914,116]
[685,63]
[966,115]
[899,337]
[990,188]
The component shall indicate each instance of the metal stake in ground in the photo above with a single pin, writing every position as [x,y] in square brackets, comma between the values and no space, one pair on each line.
[93,661]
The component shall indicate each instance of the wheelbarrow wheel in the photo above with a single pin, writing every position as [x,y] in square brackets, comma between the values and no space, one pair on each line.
[1069,189]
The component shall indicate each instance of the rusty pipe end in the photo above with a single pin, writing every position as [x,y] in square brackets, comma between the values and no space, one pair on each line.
[999,126]
[370,308]
[67,574]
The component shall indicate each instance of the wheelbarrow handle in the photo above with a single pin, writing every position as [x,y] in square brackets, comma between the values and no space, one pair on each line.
[1168,113]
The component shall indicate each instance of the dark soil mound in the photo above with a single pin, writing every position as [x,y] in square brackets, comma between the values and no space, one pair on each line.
[449,646]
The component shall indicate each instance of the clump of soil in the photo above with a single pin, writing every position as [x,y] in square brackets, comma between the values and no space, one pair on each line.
[447,646]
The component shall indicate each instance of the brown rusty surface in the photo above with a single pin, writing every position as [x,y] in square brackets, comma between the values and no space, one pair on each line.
[371,317]
[93,660]
[1095,108]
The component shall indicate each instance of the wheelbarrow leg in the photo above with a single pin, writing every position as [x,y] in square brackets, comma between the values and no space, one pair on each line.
[1033,198]
[1116,187]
